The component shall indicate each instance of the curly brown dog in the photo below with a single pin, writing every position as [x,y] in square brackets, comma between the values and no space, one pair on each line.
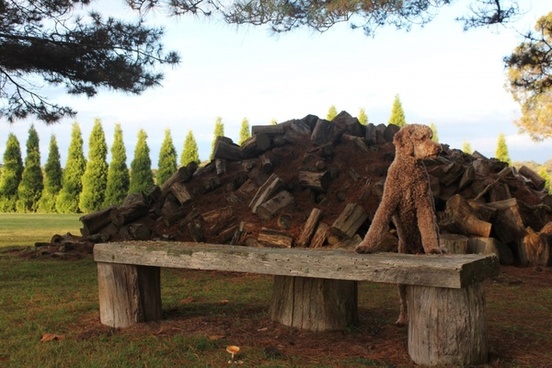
[407,201]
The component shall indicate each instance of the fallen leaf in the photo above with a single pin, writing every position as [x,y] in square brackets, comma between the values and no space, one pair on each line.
[51,337]
[224,301]
[187,300]
[216,337]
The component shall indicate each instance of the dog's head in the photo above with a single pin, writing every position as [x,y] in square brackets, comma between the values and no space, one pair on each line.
[415,140]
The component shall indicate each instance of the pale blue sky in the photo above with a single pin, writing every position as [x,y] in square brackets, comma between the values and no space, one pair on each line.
[443,75]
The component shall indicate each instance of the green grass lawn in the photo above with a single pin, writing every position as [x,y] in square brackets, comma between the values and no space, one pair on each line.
[203,312]
[19,229]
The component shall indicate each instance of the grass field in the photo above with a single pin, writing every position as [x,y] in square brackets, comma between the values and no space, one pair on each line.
[18,229]
[56,301]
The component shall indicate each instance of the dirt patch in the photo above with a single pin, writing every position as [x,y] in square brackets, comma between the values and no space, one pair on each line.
[517,333]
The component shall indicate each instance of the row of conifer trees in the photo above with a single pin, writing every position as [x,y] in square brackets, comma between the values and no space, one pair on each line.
[85,184]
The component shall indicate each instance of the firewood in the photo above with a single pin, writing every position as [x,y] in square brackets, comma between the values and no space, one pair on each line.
[301,127]
[266,164]
[349,243]
[349,221]
[310,227]
[93,222]
[255,145]
[196,231]
[182,175]
[508,224]
[535,179]
[271,186]
[220,166]
[452,174]
[461,216]
[507,171]
[325,132]
[359,142]
[277,129]
[467,178]
[181,193]
[275,238]
[485,245]
[320,235]
[348,124]
[281,200]
[390,131]
[139,231]
[125,214]
[226,149]
[315,180]
[454,243]
[499,192]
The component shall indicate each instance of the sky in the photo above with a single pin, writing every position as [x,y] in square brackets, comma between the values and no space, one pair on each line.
[443,75]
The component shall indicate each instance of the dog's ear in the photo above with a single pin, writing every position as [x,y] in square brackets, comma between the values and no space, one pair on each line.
[403,141]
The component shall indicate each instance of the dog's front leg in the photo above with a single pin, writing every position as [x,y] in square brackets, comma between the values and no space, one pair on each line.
[380,225]
[427,224]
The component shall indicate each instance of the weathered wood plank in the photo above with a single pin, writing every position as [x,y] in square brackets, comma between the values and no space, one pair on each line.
[449,271]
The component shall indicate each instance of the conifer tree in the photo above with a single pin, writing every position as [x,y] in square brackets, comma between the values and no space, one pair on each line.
[245,134]
[397,113]
[332,113]
[274,121]
[166,165]
[32,182]
[141,176]
[94,179]
[467,148]
[219,132]
[52,179]
[11,174]
[67,200]
[190,153]
[502,149]
[433,128]
[362,117]
[117,175]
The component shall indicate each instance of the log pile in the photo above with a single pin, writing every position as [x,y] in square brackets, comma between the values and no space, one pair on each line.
[314,183]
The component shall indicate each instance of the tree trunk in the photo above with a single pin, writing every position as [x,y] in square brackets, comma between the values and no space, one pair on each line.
[441,332]
[314,304]
[128,294]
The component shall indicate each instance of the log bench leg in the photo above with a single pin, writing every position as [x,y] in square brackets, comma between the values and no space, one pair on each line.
[128,294]
[447,326]
[314,304]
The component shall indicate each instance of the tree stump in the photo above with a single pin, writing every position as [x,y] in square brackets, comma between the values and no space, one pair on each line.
[441,331]
[128,294]
[314,304]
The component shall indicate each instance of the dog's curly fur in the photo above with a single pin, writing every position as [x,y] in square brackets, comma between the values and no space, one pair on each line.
[407,201]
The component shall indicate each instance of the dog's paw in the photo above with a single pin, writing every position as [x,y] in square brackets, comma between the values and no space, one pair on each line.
[436,251]
[402,321]
[364,249]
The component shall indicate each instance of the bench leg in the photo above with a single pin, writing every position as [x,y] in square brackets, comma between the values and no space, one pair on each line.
[314,304]
[447,326]
[128,294]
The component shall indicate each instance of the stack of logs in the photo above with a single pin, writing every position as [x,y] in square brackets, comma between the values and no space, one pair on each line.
[314,183]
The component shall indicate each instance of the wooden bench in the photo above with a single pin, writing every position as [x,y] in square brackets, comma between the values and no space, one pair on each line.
[316,289]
